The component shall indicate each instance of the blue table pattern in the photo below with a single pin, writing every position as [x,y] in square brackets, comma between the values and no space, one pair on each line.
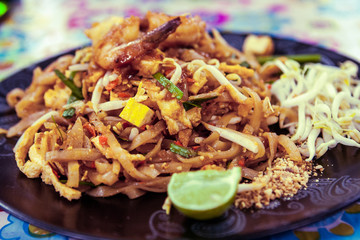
[29,34]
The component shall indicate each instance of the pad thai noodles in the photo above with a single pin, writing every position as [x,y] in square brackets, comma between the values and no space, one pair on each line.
[158,95]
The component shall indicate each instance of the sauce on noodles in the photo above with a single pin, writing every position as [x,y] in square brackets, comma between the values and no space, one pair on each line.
[158,95]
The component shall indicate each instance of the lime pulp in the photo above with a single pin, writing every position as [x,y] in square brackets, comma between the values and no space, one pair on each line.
[204,194]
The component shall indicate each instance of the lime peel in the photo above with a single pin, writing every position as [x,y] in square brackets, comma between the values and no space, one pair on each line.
[204,194]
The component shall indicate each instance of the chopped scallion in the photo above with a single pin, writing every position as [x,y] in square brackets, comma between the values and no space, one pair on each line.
[72,75]
[57,127]
[64,181]
[182,151]
[196,102]
[69,113]
[300,58]
[190,104]
[72,99]
[76,91]
[171,87]
[245,64]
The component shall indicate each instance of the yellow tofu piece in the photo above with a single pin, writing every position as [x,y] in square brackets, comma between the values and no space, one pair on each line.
[136,113]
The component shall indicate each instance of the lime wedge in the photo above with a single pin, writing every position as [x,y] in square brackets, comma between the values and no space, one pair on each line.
[38,232]
[204,194]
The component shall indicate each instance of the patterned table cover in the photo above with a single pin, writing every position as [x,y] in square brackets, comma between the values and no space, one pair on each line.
[37,29]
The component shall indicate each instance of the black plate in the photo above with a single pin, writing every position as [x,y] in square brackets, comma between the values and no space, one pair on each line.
[120,218]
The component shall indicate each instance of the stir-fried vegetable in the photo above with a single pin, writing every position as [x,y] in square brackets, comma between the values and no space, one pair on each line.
[76,91]
[69,113]
[72,98]
[300,58]
[183,151]
[168,85]
[191,104]
[57,127]
[84,183]
[196,102]
[245,64]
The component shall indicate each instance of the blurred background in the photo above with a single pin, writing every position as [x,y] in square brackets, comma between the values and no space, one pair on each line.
[31,30]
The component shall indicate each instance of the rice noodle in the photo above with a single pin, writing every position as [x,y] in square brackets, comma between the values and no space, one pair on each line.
[290,148]
[155,150]
[230,153]
[23,124]
[273,142]
[249,173]
[85,154]
[214,136]
[210,113]
[147,135]
[131,189]
[255,118]
[14,96]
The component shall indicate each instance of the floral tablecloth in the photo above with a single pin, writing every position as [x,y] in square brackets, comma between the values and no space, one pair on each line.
[36,29]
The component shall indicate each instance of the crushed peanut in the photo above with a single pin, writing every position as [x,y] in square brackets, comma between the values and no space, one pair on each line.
[284,179]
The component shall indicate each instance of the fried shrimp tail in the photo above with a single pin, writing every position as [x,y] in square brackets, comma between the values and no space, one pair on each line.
[128,52]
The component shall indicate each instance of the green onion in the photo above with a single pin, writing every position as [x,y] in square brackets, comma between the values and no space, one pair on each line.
[76,91]
[245,64]
[171,87]
[190,104]
[196,102]
[57,127]
[300,58]
[72,98]
[72,75]
[124,139]
[69,113]
[64,181]
[183,151]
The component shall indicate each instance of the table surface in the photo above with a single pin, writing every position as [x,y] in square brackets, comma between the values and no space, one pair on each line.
[37,29]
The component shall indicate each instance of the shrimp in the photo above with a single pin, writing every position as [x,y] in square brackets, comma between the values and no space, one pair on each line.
[189,33]
[112,52]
